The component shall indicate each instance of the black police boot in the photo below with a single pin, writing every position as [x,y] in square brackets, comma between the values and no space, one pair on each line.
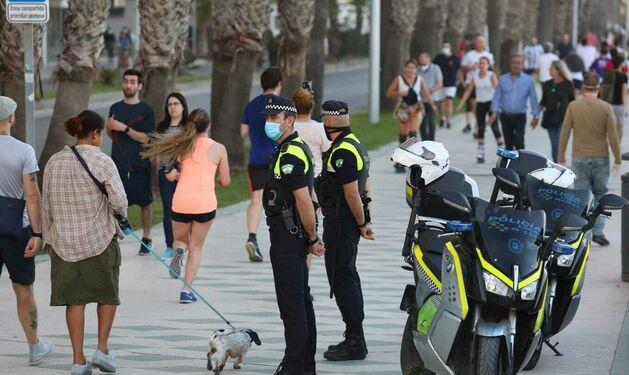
[352,348]
[339,345]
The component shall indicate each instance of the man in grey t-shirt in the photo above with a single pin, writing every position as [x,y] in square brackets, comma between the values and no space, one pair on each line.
[18,180]
[433,79]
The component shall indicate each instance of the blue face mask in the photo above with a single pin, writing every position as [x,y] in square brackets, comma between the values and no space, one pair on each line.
[272,130]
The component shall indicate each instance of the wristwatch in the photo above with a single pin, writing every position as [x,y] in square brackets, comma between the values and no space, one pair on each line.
[364,224]
[312,242]
[127,129]
[35,234]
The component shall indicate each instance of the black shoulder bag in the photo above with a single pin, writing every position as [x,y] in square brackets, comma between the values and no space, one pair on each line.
[11,217]
[122,221]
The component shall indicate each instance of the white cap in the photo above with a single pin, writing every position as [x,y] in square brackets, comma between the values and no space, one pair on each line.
[7,107]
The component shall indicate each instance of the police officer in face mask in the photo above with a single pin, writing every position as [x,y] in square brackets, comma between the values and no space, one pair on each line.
[293,229]
[343,192]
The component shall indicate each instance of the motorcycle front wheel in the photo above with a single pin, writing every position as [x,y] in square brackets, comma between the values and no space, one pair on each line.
[410,361]
[535,358]
[489,356]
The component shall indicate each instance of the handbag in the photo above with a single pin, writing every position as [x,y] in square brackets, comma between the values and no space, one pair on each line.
[411,98]
[11,216]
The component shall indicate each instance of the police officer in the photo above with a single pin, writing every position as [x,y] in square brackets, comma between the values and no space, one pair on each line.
[292,225]
[343,192]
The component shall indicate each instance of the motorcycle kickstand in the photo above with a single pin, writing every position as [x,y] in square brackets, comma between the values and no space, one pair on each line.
[554,348]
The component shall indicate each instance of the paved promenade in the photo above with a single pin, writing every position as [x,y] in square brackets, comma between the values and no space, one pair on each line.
[153,334]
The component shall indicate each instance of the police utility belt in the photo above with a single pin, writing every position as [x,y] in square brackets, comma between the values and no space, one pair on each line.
[289,220]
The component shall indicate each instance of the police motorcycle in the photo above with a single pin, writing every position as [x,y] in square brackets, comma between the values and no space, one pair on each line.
[550,189]
[477,303]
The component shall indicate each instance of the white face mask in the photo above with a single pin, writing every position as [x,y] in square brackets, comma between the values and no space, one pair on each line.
[424,67]
[446,51]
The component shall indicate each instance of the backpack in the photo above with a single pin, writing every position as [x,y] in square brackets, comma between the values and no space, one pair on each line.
[607,87]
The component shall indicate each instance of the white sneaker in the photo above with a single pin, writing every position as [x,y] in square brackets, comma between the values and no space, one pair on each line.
[104,362]
[85,369]
[38,352]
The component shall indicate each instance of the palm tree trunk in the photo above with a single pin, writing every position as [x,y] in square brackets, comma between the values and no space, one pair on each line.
[315,64]
[429,27]
[334,37]
[531,16]
[560,15]
[295,18]
[83,28]
[477,17]
[456,24]
[512,32]
[238,28]
[203,24]
[164,25]
[400,16]
[12,67]
[496,16]
[545,20]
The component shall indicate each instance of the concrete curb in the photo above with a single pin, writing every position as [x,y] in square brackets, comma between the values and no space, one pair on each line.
[620,366]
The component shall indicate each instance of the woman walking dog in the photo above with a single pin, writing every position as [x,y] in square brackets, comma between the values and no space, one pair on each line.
[194,202]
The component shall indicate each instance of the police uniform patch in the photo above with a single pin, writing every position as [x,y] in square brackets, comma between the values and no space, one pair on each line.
[339,163]
[287,168]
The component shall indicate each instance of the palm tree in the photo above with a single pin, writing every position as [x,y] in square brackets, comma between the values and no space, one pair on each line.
[512,31]
[83,27]
[12,67]
[429,27]
[203,25]
[532,14]
[456,24]
[496,16]
[238,28]
[334,37]
[295,21]
[398,19]
[477,18]
[315,64]
[164,25]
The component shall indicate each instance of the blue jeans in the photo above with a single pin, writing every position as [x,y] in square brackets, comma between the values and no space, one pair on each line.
[167,191]
[592,174]
[553,133]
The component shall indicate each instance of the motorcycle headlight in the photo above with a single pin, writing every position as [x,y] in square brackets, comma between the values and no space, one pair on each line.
[495,285]
[528,292]
[565,260]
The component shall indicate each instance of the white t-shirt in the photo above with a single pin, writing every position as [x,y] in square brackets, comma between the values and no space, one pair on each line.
[588,54]
[472,58]
[543,66]
[482,86]
[313,134]
[16,160]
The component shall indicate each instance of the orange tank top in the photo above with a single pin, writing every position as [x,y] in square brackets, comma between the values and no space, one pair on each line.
[195,189]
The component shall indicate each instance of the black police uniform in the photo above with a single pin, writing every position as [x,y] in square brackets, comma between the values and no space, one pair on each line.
[291,169]
[346,161]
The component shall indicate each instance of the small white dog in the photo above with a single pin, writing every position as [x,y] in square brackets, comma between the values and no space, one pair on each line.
[234,344]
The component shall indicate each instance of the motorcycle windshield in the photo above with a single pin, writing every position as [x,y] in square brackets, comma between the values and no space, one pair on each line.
[512,238]
[556,202]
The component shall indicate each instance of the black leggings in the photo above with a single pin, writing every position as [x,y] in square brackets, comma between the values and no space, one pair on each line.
[483,109]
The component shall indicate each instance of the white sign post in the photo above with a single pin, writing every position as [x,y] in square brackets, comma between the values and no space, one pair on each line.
[28,12]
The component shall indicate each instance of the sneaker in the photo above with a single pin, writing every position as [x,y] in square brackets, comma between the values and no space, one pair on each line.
[104,362]
[176,263]
[38,352]
[85,369]
[146,242]
[448,126]
[186,297]
[600,239]
[168,254]
[467,128]
[441,123]
[354,349]
[254,250]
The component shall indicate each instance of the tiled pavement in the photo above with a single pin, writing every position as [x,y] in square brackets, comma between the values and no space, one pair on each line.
[153,334]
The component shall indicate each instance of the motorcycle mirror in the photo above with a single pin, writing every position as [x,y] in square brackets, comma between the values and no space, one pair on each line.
[508,180]
[569,223]
[456,200]
[612,202]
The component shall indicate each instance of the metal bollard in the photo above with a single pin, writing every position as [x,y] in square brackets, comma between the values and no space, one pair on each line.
[625,224]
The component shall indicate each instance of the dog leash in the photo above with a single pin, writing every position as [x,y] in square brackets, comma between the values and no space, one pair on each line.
[128,231]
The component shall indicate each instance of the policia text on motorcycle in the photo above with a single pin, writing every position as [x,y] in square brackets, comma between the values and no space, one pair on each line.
[293,230]
[343,192]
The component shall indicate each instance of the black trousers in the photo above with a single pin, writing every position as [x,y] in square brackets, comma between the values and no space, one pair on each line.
[341,236]
[513,126]
[290,273]
[427,127]
[483,109]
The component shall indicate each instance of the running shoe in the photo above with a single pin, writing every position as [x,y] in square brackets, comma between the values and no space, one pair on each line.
[467,128]
[441,123]
[600,239]
[104,362]
[448,126]
[176,263]
[168,254]
[186,297]
[254,250]
[146,242]
[38,352]
[85,369]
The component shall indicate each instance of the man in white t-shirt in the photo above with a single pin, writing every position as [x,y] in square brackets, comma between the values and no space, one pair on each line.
[587,53]
[544,62]
[469,64]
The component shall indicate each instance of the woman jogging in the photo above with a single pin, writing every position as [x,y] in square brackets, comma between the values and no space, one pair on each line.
[408,89]
[81,235]
[175,116]
[557,93]
[194,202]
[483,81]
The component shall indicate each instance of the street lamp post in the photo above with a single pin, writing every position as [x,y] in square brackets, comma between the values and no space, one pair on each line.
[575,22]
[374,63]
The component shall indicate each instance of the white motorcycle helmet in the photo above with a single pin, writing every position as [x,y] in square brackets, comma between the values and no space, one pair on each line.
[431,157]
[555,175]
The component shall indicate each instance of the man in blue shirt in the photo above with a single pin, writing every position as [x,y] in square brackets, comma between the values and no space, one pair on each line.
[512,93]
[262,147]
